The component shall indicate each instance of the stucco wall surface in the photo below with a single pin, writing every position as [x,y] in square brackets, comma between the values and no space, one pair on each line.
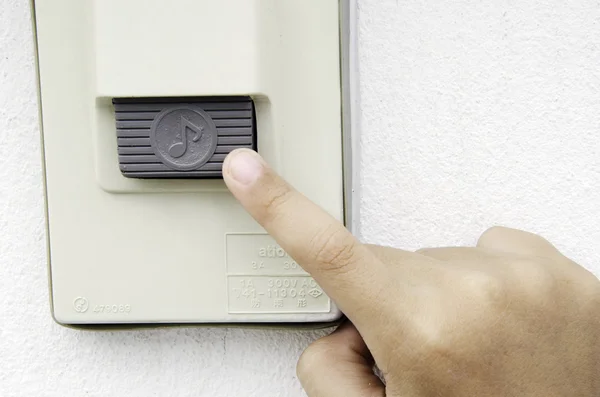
[473,113]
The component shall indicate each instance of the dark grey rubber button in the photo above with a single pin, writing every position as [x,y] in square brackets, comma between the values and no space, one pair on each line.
[181,137]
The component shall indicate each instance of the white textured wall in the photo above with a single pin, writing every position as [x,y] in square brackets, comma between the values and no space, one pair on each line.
[478,113]
[474,113]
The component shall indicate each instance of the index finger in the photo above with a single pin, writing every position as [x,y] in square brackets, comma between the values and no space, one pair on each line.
[346,269]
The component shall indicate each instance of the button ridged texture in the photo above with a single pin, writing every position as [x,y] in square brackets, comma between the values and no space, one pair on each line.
[181,137]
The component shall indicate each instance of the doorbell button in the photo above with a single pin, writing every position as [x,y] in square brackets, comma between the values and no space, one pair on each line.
[181,137]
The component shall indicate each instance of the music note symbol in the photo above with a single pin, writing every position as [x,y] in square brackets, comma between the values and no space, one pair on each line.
[178,149]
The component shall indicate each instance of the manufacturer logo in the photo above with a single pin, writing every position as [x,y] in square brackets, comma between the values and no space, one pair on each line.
[81,305]
[183,138]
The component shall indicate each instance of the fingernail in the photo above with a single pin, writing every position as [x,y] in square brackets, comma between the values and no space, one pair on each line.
[245,166]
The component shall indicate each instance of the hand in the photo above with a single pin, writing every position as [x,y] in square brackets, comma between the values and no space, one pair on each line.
[509,317]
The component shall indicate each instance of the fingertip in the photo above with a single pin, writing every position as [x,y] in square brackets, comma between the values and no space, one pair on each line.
[243,167]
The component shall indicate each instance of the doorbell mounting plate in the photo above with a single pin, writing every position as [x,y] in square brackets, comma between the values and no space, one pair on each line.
[140,104]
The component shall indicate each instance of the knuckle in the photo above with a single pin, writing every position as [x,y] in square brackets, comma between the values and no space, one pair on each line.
[276,200]
[537,278]
[436,347]
[490,235]
[430,326]
[333,249]
[433,340]
[485,288]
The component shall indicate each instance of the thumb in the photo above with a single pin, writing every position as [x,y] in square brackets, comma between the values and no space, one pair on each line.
[339,365]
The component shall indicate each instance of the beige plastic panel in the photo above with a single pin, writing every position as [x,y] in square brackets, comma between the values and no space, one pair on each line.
[166,251]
